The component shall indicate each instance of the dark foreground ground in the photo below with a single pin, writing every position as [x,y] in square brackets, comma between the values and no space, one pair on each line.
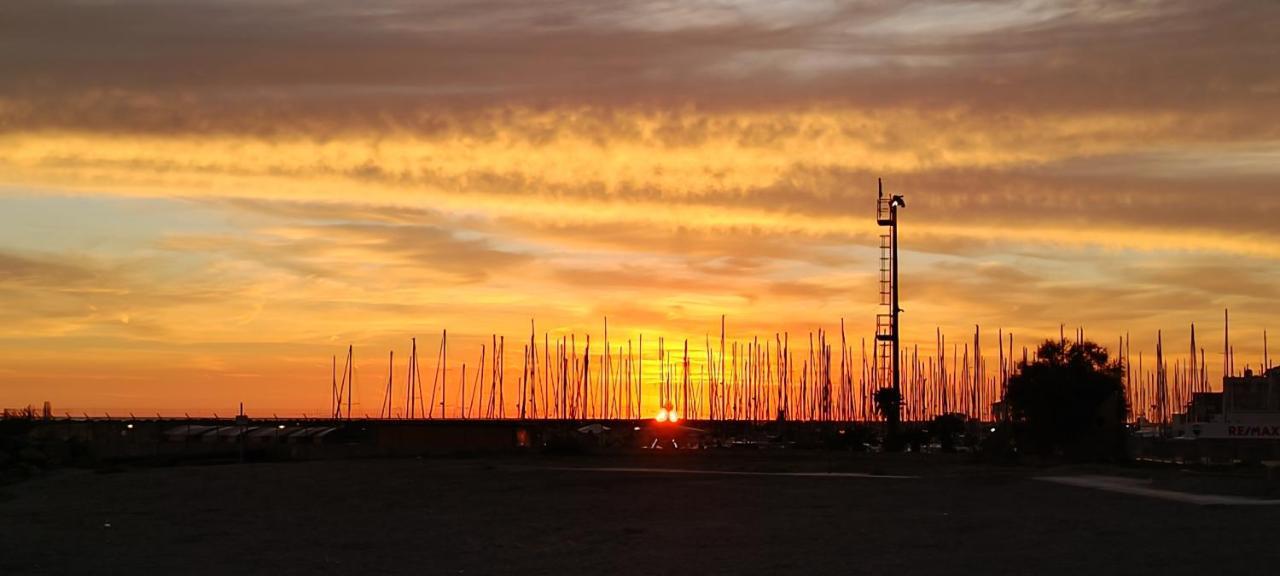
[526,515]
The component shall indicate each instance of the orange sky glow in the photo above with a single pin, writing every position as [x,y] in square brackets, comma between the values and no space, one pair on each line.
[202,202]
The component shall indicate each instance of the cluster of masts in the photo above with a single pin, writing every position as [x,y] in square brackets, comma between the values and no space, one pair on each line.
[823,379]
[1158,388]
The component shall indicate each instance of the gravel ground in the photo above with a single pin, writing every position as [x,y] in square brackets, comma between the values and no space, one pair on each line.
[531,515]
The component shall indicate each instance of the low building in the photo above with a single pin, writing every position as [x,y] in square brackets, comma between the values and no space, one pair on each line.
[1247,408]
[1241,422]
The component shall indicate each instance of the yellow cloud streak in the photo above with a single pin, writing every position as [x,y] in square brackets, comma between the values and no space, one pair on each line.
[624,169]
[675,153]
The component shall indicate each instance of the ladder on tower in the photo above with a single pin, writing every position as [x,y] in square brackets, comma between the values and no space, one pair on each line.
[884,210]
[884,363]
[886,327]
[886,270]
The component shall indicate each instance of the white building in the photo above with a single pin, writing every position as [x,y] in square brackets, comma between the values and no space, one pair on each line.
[1248,408]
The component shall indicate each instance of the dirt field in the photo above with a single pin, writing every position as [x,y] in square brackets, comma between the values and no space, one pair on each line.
[530,515]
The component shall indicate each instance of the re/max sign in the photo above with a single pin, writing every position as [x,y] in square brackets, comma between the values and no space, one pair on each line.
[1253,431]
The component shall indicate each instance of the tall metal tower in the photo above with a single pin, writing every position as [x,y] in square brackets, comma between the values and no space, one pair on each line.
[887,337]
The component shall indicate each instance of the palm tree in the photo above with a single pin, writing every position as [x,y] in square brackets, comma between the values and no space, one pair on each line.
[888,402]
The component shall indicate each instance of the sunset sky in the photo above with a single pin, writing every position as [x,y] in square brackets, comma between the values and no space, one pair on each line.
[202,201]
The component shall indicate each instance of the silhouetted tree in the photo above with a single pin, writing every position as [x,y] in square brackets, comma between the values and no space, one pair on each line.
[1069,399]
